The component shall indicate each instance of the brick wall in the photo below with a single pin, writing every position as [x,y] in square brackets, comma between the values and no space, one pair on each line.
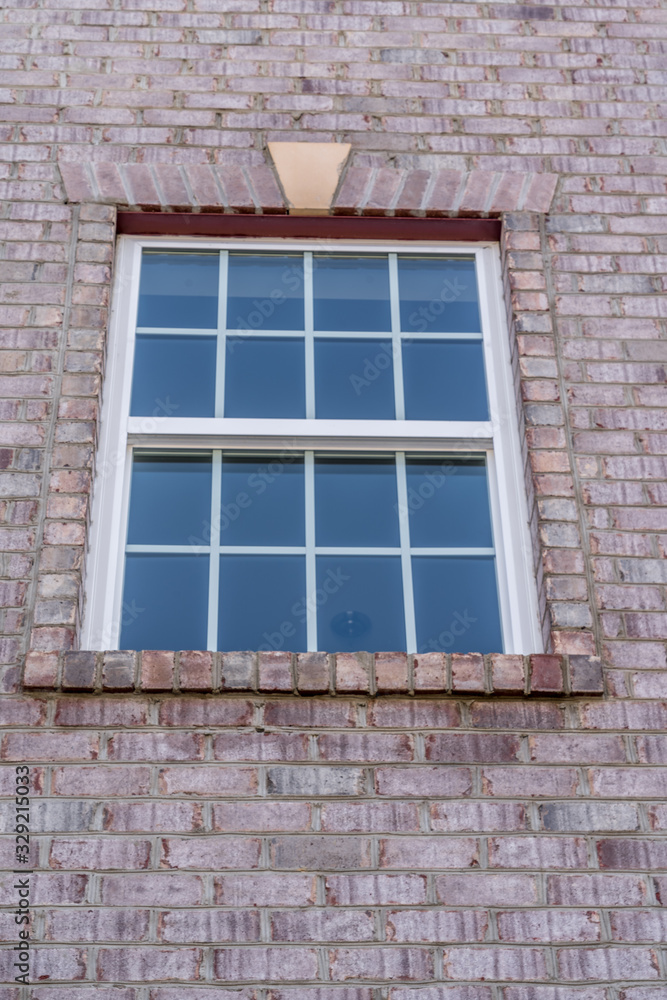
[331,847]
[408,846]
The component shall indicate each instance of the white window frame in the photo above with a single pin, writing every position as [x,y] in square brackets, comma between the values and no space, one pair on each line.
[497,438]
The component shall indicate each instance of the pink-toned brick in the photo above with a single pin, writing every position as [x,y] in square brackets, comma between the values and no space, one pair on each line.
[391,673]
[380,747]
[352,673]
[95,853]
[205,712]
[41,670]
[483,889]
[423,781]
[157,670]
[312,673]
[467,673]
[430,672]
[195,671]
[102,779]
[275,671]
[208,780]
[214,853]
[382,964]
[507,674]
[264,890]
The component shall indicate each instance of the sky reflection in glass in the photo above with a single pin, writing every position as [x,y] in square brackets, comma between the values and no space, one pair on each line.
[179,290]
[174,376]
[263,501]
[456,604]
[265,377]
[170,500]
[165,601]
[351,293]
[350,384]
[262,602]
[448,501]
[355,502]
[444,380]
[265,292]
[360,603]
[438,295]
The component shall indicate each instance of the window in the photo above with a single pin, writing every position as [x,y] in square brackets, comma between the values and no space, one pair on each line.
[306,447]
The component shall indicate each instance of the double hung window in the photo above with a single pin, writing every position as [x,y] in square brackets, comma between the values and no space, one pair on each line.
[306,447]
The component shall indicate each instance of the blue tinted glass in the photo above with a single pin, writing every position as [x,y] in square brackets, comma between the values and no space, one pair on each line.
[438,295]
[355,502]
[351,293]
[444,380]
[456,604]
[265,377]
[165,602]
[263,501]
[179,290]
[359,603]
[354,379]
[265,292]
[170,500]
[262,603]
[174,376]
[448,503]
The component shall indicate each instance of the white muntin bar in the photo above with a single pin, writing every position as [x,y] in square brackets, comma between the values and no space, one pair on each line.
[309,306]
[221,355]
[214,560]
[311,565]
[396,347]
[175,331]
[406,560]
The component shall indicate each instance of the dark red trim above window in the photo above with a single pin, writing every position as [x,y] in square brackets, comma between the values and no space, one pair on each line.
[304,227]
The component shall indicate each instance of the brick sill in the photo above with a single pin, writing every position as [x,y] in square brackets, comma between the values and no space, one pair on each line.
[315,673]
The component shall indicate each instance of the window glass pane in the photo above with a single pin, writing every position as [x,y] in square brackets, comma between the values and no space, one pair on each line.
[444,380]
[265,377]
[354,379]
[262,602]
[265,292]
[174,376]
[355,502]
[263,501]
[448,502]
[351,293]
[438,295]
[170,500]
[165,602]
[179,290]
[359,603]
[456,604]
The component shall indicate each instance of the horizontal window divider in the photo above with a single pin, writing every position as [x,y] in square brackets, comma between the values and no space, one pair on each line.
[178,331]
[452,551]
[298,550]
[405,335]
[297,434]
[260,550]
[288,334]
[349,550]
[174,550]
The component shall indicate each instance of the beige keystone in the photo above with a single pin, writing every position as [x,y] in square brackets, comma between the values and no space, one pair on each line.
[309,173]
